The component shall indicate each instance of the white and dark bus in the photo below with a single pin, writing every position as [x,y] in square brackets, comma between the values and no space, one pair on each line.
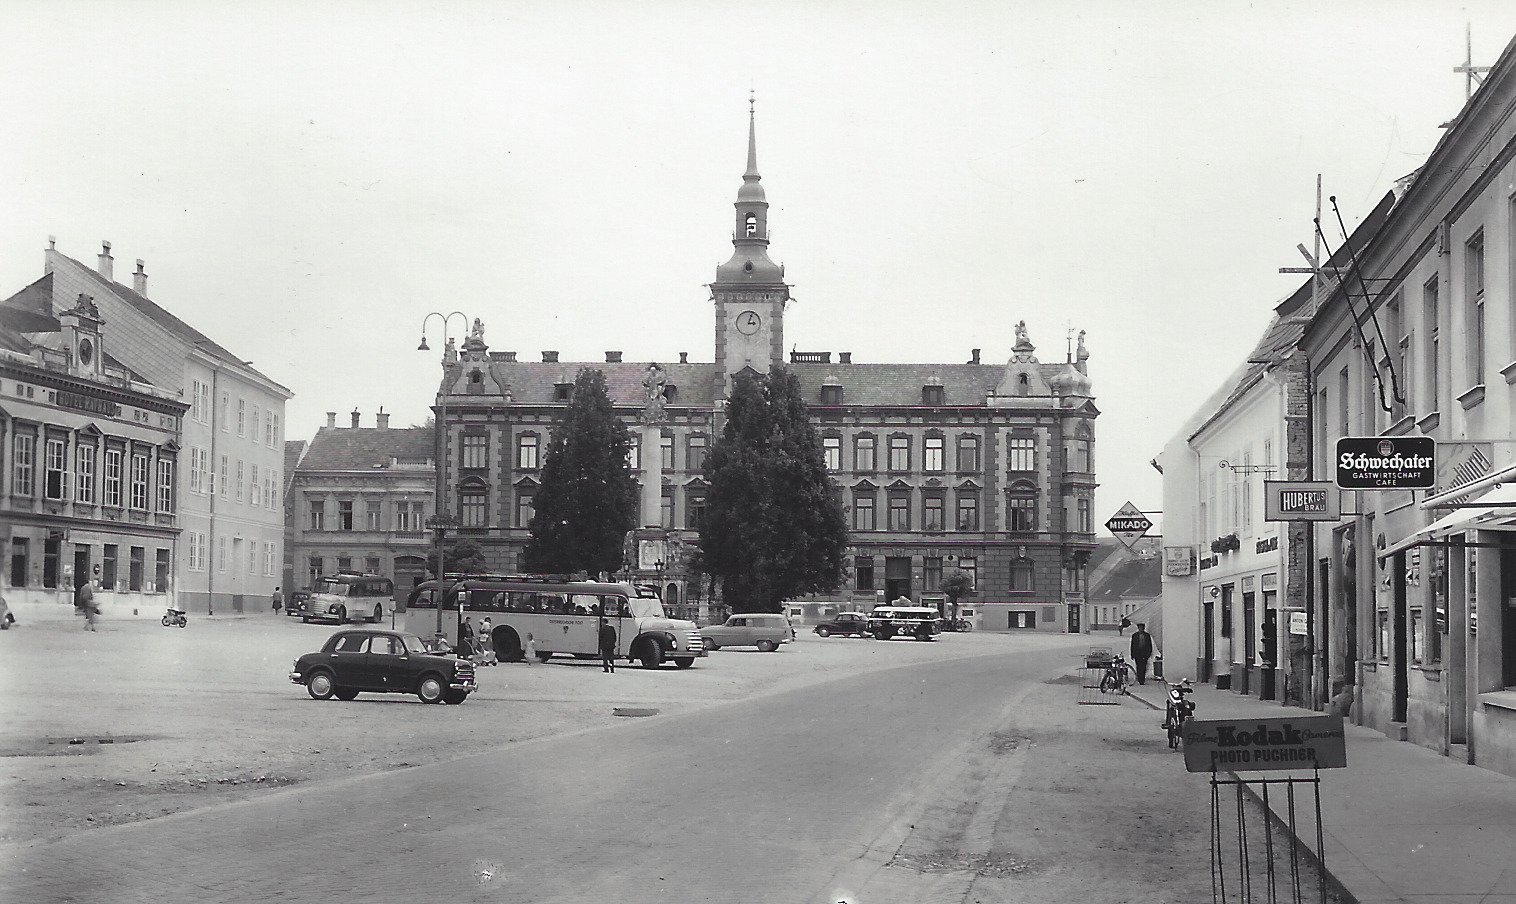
[561,616]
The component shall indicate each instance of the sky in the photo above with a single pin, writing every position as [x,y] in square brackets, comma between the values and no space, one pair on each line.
[306,182]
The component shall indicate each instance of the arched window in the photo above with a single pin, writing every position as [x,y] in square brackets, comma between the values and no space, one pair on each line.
[751,229]
[1023,385]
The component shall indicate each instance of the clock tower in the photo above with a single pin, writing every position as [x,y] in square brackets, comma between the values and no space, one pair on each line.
[749,291]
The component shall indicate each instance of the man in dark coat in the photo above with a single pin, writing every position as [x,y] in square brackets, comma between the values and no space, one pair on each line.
[1142,651]
[607,647]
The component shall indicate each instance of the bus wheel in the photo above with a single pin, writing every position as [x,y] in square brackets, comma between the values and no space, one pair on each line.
[652,654]
[508,647]
[378,614]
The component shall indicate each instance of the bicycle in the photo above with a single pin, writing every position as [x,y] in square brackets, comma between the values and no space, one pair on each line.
[1180,709]
[1118,674]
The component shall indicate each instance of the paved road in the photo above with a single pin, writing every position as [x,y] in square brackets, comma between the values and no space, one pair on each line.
[788,797]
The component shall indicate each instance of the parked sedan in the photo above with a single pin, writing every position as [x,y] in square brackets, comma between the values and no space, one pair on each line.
[749,629]
[852,624]
[384,662]
[299,603]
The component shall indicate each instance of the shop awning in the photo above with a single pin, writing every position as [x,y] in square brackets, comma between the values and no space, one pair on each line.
[1495,510]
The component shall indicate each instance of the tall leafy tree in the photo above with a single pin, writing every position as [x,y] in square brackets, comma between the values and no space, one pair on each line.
[463,557]
[588,499]
[774,527]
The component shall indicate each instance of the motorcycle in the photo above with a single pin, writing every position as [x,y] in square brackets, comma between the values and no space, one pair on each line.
[175,617]
[1180,709]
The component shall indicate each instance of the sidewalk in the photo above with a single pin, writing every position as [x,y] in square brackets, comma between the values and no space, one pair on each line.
[1401,823]
[34,613]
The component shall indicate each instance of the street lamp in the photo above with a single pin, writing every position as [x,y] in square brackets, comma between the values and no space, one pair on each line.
[441,522]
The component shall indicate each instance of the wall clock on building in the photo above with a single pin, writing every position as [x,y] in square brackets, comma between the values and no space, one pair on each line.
[86,351]
[748,322]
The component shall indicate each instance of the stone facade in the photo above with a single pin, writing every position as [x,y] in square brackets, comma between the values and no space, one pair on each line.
[931,459]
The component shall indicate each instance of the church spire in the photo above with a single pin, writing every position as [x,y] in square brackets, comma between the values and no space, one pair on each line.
[750,262]
[752,141]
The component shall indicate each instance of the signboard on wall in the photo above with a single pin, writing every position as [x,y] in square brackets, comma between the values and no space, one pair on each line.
[1178,561]
[1386,463]
[1301,500]
[1128,524]
[1258,745]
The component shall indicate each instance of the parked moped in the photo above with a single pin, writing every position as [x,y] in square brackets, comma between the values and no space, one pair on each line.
[175,618]
[1180,709]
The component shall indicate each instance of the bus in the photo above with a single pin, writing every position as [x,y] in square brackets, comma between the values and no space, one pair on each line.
[562,616]
[346,596]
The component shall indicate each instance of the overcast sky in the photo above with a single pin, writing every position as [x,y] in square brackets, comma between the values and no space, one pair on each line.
[306,181]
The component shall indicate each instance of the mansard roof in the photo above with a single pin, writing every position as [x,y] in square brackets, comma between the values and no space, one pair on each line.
[884,385]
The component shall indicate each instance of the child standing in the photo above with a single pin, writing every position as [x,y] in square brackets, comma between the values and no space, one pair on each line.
[531,648]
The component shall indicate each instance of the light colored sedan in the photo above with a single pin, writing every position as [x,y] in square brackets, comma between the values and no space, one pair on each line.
[749,629]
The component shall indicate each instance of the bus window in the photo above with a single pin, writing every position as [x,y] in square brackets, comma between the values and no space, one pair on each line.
[553,604]
[423,598]
[583,604]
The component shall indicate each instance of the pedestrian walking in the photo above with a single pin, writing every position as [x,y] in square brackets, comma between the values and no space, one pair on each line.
[531,648]
[607,647]
[1125,623]
[1142,651]
[277,601]
[84,602]
[485,645]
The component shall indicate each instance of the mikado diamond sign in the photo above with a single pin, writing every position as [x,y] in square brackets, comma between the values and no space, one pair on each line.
[1128,524]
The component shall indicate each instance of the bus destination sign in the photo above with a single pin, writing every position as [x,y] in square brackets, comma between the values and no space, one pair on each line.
[1386,463]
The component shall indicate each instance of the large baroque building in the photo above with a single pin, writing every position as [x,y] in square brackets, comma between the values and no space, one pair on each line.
[230,444]
[979,466]
[89,454]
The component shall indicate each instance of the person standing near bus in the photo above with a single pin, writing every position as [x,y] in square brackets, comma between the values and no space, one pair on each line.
[607,647]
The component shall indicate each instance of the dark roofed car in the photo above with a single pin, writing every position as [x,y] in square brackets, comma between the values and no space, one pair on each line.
[384,662]
[299,602]
[851,624]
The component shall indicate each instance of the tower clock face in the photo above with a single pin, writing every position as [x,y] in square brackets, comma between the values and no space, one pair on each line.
[748,322]
[86,351]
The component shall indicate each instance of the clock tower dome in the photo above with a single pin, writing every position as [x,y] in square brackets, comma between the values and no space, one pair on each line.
[749,291]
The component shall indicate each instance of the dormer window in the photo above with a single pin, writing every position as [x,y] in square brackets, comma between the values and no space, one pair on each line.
[1023,385]
[931,395]
[562,392]
[831,395]
[670,392]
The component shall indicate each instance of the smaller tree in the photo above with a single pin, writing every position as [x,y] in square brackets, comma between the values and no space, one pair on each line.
[463,557]
[956,585]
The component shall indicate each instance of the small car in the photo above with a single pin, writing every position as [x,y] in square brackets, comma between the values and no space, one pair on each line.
[920,622]
[851,624]
[383,662]
[749,629]
[299,602]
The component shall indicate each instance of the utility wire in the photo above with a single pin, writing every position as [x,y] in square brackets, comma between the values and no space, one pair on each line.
[1395,389]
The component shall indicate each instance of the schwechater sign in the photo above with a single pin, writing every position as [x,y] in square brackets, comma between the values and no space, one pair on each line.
[1386,462]
[1258,745]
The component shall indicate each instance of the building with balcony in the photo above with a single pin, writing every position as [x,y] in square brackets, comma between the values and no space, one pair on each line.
[89,459]
[359,498]
[984,467]
[231,440]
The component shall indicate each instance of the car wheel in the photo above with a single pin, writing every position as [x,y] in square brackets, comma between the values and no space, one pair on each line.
[767,646]
[651,655]
[345,693]
[712,645]
[431,689]
[824,631]
[453,698]
[305,619]
[684,662]
[319,685]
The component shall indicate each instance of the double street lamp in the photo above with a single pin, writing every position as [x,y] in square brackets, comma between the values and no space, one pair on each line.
[441,522]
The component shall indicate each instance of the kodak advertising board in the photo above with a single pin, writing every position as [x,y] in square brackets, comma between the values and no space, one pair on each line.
[1258,745]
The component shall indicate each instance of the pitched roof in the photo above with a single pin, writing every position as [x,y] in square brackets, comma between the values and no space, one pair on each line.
[31,309]
[1136,578]
[363,448]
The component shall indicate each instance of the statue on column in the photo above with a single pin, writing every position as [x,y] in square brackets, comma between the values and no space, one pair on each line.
[656,383]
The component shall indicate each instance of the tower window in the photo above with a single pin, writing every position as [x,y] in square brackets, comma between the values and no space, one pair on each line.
[752,225]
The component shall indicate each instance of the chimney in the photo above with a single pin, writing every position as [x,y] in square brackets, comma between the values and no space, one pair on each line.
[139,279]
[975,358]
[331,419]
[355,419]
[549,357]
[105,262]
[844,357]
[684,357]
[613,357]
[383,420]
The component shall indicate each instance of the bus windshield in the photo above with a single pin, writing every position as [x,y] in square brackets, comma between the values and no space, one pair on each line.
[646,607]
[337,588]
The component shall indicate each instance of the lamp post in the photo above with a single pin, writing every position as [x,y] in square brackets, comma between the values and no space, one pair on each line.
[441,521]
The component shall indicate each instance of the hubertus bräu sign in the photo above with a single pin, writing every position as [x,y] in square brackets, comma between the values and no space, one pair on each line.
[1257,745]
[1386,463]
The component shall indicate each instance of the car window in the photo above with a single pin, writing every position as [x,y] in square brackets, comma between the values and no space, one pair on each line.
[738,622]
[351,643]
[384,644]
[414,644]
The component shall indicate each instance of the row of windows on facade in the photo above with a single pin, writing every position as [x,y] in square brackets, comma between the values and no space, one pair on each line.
[1227,503]
[901,512]
[315,566]
[406,516]
[111,577]
[245,484]
[117,488]
[260,556]
[898,568]
[1021,453]
[250,421]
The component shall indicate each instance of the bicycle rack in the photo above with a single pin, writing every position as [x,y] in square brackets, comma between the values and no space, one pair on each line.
[1089,689]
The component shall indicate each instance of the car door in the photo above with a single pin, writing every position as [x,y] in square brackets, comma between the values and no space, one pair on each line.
[349,660]
[389,668]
